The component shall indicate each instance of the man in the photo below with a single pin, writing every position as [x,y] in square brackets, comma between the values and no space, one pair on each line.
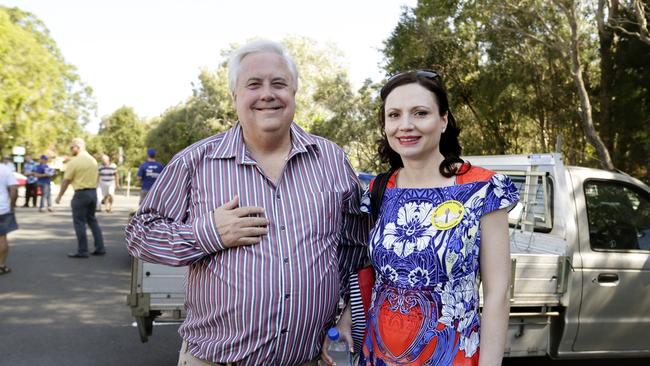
[31,187]
[148,173]
[81,172]
[6,160]
[8,196]
[108,181]
[259,213]
[44,174]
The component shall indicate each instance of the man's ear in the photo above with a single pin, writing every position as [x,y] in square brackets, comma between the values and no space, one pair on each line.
[233,96]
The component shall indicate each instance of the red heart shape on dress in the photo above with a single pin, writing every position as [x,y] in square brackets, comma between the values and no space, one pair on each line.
[397,330]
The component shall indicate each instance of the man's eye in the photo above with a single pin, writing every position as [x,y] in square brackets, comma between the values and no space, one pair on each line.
[280,84]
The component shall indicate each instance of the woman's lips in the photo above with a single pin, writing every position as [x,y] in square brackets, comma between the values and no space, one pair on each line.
[408,140]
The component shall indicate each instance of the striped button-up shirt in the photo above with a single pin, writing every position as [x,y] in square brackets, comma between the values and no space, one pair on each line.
[269,303]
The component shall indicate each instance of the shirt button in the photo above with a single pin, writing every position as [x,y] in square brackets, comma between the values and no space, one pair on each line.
[286,260]
[277,196]
[282,227]
[286,296]
[283,331]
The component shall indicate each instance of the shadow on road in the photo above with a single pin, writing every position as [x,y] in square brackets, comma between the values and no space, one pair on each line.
[56,310]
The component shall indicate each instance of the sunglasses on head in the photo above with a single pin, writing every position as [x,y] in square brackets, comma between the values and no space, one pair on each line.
[425,73]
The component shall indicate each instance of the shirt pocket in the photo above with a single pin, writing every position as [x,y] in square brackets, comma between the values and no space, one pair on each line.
[325,208]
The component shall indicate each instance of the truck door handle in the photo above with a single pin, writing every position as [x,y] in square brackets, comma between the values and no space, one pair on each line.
[610,279]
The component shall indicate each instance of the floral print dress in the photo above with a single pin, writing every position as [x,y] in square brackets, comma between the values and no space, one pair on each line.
[425,253]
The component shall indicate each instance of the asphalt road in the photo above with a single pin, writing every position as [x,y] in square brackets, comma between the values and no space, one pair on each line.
[56,310]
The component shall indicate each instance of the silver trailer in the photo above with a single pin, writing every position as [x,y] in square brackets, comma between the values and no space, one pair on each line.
[580,251]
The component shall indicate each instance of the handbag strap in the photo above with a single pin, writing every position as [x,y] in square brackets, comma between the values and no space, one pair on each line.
[377,192]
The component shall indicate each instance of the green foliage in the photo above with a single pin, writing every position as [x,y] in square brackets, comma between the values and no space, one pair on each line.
[122,129]
[507,70]
[43,103]
[207,112]
[352,121]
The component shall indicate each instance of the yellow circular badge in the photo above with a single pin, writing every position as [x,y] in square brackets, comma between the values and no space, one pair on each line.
[447,215]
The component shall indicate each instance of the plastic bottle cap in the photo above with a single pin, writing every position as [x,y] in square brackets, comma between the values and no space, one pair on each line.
[333,334]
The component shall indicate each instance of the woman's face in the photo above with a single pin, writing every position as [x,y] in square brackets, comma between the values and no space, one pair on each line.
[413,124]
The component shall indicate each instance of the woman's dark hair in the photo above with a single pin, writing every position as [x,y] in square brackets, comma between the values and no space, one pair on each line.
[449,145]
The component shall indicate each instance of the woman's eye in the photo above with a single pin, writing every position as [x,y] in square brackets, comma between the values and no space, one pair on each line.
[393,115]
[421,113]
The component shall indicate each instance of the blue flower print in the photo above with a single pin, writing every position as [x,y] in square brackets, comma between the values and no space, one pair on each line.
[387,272]
[412,230]
[419,277]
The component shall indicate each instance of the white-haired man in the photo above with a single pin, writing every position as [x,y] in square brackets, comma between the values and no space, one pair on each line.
[260,214]
[81,172]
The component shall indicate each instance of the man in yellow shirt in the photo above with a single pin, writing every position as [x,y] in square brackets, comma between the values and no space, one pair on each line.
[81,172]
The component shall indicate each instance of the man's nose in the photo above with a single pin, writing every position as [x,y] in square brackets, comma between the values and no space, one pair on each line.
[267,92]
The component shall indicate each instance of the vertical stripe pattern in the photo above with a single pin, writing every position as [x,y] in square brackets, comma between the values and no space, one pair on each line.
[270,303]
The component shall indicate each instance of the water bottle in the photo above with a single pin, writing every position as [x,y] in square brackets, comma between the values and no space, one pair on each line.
[338,349]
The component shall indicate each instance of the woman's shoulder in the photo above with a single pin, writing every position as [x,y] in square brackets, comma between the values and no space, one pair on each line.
[390,183]
[471,173]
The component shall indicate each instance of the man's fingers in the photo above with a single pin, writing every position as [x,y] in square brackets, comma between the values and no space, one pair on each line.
[232,204]
[249,211]
[254,231]
[246,222]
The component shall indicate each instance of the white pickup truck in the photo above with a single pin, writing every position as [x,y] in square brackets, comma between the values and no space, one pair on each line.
[580,243]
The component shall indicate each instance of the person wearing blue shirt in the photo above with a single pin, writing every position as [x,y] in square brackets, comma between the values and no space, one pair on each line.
[44,175]
[148,172]
[31,188]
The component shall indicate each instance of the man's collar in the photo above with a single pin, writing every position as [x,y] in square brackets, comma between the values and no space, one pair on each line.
[232,144]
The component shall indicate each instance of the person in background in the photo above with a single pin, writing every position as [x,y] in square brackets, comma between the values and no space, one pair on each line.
[31,187]
[81,172]
[267,217]
[442,225]
[6,160]
[148,173]
[108,181]
[44,174]
[8,196]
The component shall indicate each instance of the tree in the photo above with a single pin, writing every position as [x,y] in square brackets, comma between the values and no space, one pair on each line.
[352,121]
[122,129]
[208,111]
[521,74]
[42,100]
[635,25]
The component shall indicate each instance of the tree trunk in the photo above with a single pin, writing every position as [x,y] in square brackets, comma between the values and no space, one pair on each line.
[639,10]
[576,73]
[607,41]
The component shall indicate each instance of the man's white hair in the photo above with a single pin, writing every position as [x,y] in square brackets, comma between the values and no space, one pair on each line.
[78,142]
[259,46]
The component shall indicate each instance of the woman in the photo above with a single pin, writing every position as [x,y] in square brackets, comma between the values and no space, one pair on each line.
[442,228]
